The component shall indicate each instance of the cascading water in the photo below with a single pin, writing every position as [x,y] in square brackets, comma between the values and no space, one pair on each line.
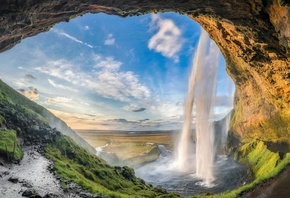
[202,88]
[197,157]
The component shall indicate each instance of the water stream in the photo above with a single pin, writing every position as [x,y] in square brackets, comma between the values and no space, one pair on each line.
[202,89]
[228,175]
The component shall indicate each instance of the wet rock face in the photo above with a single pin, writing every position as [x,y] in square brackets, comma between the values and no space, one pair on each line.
[253,35]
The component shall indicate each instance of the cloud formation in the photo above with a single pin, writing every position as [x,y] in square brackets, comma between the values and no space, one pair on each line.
[31,93]
[134,108]
[61,86]
[167,40]
[105,78]
[110,40]
[29,77]
[61,33]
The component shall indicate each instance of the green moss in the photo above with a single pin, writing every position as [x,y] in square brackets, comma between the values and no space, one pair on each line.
[264,164]
[92,173]
[274,129]
[261,160]
[2,120]
[9,146]
[237,115]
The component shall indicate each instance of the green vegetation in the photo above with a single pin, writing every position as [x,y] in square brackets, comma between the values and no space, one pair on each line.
[125,145]
[72,162]
[13,102]
[264,164]
[9,146]
[237,115]
[283,3]
[261,160]
[75,164]
[9,95]
[2,120]
[144,158]
[275,128]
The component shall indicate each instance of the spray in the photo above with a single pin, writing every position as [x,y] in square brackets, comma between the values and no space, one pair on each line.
[202,89]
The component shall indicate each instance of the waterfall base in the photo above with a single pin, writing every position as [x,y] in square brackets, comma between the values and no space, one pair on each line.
[228,175]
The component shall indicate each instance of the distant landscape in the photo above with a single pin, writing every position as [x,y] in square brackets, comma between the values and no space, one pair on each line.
[127,145]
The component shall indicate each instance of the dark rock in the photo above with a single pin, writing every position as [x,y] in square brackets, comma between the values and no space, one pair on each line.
[2,174]
[51,195]
[26,184]
[31,193]
[13,180]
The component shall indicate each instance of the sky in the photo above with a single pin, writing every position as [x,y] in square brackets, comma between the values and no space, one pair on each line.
[105,72]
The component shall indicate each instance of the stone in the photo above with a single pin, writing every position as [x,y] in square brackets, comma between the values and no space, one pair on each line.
[31,194]
[252,35]
[13,180]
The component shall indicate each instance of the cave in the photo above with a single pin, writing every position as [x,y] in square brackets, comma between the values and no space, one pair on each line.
[253,36]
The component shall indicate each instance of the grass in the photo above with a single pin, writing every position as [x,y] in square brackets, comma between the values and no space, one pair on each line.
[2,120]
[9,95]
[264,164]
[9,146]
[93,174]
[126,145]
[72,162]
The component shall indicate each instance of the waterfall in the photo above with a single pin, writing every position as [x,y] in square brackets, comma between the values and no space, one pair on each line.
[202,89]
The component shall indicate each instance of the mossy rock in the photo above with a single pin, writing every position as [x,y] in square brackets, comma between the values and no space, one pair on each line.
[9,146]
[261,160]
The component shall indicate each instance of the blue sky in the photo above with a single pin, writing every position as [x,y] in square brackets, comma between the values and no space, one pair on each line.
[110,73]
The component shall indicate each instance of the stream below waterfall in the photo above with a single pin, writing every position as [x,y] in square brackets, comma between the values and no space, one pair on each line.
[228,175]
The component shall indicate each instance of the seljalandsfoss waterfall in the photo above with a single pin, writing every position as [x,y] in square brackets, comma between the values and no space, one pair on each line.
[201,90]
[196,166]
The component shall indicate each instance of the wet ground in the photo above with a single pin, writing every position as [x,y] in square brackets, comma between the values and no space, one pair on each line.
[228,175]
[34,173]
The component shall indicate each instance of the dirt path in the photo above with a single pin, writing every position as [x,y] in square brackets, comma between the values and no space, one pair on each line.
[278,187]
[33,174]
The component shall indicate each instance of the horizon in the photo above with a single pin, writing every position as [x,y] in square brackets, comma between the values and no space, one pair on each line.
[103,72]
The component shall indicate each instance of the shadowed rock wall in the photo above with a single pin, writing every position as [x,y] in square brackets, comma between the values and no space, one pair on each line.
[253,35]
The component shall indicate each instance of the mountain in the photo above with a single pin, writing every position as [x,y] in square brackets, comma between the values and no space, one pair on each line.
[55,157]
[15,98]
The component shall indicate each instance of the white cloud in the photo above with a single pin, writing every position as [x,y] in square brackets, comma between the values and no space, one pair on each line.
[105,78]
[61,33]
[110,40]
[60,99]
[167,40]
[87,27]
[107,63]
[167,109]
[134,108]
[61,86]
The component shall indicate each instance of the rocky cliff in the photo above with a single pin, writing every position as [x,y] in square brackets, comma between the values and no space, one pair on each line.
[253,35]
